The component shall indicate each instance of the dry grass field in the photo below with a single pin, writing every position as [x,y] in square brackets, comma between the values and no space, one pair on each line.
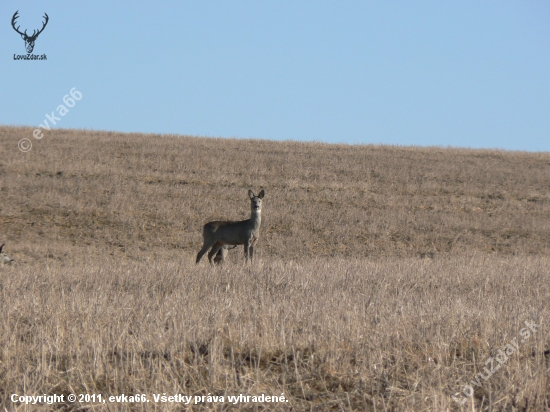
[385,278]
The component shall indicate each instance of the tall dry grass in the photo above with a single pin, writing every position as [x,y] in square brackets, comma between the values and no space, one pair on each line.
[331,334]
[386,277]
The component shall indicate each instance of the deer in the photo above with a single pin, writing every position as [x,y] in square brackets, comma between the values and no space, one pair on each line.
[218,234]
[29,40]
[4,258]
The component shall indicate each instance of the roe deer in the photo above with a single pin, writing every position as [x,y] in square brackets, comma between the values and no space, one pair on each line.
[4,258]
[220,233]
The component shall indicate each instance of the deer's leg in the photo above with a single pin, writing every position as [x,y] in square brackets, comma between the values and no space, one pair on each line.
[215,249]
[251,247]
[205,247]
[246,250]
[218,259]
[220,256]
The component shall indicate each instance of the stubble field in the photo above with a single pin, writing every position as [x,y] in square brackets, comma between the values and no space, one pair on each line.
[386,278]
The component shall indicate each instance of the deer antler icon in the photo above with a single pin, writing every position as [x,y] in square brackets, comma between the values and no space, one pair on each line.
[29,40]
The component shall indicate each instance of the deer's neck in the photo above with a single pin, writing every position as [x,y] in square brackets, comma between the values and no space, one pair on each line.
[256,218]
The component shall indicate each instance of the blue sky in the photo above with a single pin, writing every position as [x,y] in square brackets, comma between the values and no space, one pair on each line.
[428,73]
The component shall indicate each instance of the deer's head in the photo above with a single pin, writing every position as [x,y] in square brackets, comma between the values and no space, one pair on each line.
[256,201]
[29,40]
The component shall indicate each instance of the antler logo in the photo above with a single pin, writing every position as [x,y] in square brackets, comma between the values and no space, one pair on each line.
[29,40]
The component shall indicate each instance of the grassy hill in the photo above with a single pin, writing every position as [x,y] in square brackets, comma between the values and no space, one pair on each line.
[78,191]
[386,278]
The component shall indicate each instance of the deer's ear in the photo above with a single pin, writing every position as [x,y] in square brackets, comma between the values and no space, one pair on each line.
[1,247]
[23,36]
[261,195]
[251,194]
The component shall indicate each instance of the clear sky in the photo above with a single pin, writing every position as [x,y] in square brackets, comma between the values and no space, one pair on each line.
[428,73]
